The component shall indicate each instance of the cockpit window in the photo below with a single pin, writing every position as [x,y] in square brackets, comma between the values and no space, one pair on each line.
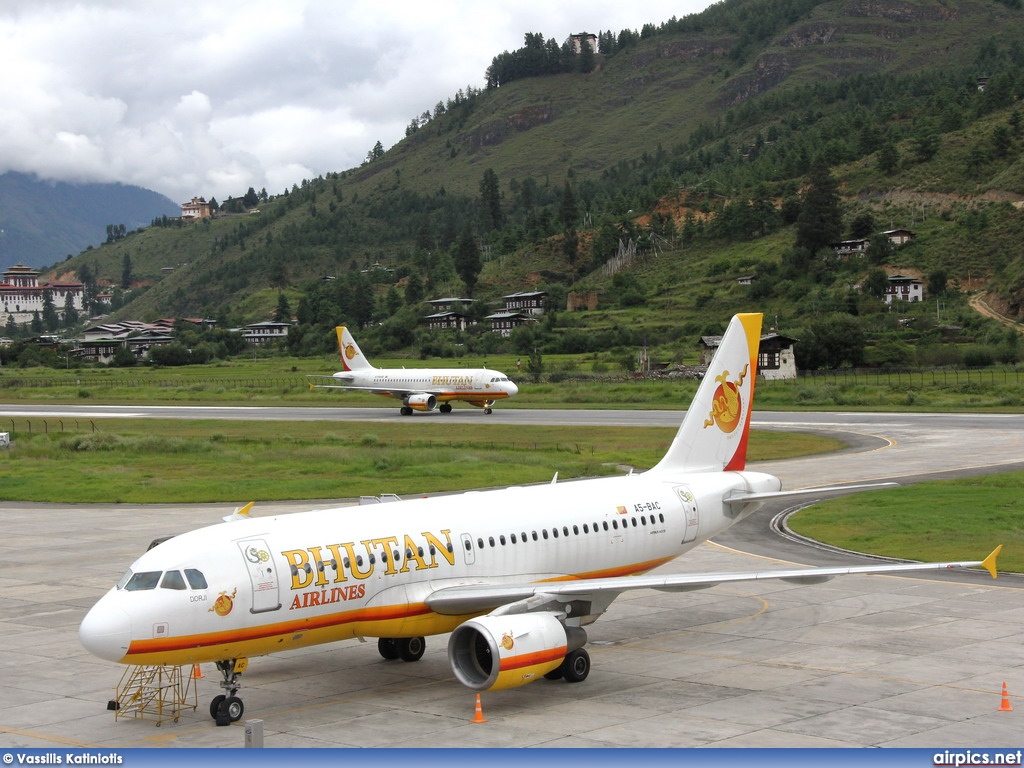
[196,580]
[144,580]
[172,580]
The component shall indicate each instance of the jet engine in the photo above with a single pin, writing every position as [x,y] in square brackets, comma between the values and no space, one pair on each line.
[490,653]
[421,402]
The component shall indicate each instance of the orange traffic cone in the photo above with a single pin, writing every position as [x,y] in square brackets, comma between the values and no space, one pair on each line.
[197,673]
[478,716]
[1005,705]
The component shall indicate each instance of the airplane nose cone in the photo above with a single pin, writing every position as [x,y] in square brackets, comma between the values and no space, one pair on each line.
[106,631]
[511,388]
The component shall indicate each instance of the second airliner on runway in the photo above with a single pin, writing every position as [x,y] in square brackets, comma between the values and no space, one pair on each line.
[419,389]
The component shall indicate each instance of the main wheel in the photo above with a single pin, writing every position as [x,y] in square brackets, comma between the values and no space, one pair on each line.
[576,666]
[445,408]
[411,648]
[406,410]
[215,705]
[387,647]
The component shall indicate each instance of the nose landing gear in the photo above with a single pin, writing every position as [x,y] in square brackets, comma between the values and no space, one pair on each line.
[227,708]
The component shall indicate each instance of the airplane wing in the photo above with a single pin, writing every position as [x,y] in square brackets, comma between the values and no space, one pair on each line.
[373,390]
[473,598]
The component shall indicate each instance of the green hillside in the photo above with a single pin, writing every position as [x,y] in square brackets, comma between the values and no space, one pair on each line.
[695,141]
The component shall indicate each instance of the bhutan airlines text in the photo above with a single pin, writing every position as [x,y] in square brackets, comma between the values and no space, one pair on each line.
[312,563]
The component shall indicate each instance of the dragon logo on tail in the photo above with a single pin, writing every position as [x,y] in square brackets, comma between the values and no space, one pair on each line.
[726,405]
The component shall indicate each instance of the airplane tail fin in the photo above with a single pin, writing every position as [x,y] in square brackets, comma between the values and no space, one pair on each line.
[714,432]
[352,358]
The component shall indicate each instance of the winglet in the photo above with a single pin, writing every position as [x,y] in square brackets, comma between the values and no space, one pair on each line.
[989,563]
[240,514]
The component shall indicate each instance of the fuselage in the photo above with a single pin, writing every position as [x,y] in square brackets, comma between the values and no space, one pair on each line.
[256,586]
[473,385]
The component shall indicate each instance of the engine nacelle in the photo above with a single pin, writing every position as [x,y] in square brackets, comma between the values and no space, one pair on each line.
[490,653]
[421,402]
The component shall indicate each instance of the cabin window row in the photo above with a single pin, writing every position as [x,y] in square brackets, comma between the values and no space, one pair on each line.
[565,531]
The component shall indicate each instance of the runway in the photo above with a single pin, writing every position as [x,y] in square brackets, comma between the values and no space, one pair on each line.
[858,661]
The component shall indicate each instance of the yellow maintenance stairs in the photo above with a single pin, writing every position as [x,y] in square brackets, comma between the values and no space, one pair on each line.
[156,693]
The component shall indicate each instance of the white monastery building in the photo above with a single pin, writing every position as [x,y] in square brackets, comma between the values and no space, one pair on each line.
[22,295]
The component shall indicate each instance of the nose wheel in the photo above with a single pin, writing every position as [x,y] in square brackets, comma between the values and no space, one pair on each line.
[227,708]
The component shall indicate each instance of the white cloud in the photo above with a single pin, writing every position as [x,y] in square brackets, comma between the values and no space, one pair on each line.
[211,99]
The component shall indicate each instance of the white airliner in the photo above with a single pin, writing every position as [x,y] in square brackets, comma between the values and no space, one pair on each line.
[515,575]
[419,389]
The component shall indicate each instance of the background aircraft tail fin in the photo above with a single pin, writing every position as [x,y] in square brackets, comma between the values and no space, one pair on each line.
[714,432]
[352,358]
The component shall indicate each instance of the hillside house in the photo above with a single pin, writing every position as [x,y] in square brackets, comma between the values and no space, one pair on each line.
[528,302]
[578,40]
[103,350]
[502,323]
[267,332]
[195,209]
[899,237]
[859,246]
[775,357]
[450,304]
[846,249]
[446,321]
[125,328]
[903,288]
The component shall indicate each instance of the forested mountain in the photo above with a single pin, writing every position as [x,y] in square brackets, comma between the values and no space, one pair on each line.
[737,142]
[43,222]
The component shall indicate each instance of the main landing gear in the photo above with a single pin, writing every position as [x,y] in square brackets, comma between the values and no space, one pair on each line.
[227,708]
[574,667]
[406,410]
[404,648]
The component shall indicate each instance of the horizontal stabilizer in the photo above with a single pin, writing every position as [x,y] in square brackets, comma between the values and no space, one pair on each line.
[746,498]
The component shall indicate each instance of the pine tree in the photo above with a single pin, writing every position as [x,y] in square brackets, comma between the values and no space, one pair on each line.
[283,312]
[126,272]
[467,260]
[490,196]
[51,321]
[568,211]
[820,221]
[70,313]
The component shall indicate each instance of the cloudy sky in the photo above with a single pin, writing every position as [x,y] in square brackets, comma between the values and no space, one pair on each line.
[194,98]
